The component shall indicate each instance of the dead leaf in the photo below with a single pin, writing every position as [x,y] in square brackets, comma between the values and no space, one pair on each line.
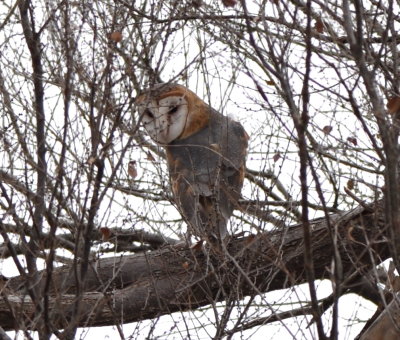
[319,26]
[350,184]
[116,36]
[327,129]
[276,157]
[197,3]
[132,171]
[270,82]
[229,3]
[197,246]
[105,233]
[352,140]
[393,105]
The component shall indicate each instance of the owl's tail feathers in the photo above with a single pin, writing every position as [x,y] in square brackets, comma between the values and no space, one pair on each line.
[219,238]
[222,229]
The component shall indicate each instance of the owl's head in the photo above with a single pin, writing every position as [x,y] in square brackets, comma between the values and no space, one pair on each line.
[170,111]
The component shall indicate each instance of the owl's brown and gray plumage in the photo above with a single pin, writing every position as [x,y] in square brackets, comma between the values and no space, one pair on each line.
[206,154]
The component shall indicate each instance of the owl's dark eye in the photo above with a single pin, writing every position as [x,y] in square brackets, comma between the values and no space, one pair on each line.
[173,109]
[148,113]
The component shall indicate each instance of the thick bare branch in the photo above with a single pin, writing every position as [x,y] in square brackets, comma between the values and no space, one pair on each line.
[147,285]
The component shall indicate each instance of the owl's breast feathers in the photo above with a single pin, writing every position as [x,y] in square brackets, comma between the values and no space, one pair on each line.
[208,166]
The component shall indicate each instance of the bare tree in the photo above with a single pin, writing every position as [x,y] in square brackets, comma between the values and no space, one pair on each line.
[88,222]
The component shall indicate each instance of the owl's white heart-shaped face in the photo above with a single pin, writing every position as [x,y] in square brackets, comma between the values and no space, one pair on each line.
[165,119]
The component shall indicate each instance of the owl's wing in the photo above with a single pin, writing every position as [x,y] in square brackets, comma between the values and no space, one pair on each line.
[207,171]
[233,144]
[233,150]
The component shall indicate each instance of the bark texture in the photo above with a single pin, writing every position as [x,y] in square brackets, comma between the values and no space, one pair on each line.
[147,285]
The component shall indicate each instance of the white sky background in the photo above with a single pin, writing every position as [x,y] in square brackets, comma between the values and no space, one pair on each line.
[213,82]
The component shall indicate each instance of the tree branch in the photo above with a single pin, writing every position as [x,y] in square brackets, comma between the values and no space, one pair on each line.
[144,286]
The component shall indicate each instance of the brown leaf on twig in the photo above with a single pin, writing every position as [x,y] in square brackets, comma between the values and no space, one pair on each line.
[116,36]
[276,157]
[105,233]
[327,129]
[352,140]
[229,3]
[319,26]
[197,3]
[132,169]
[393,105]
[197,246]
[350,184]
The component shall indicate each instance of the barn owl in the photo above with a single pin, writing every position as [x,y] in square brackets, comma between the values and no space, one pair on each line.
[206,154]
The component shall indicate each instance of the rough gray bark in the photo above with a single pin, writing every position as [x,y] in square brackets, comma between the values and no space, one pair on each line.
[147,285]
